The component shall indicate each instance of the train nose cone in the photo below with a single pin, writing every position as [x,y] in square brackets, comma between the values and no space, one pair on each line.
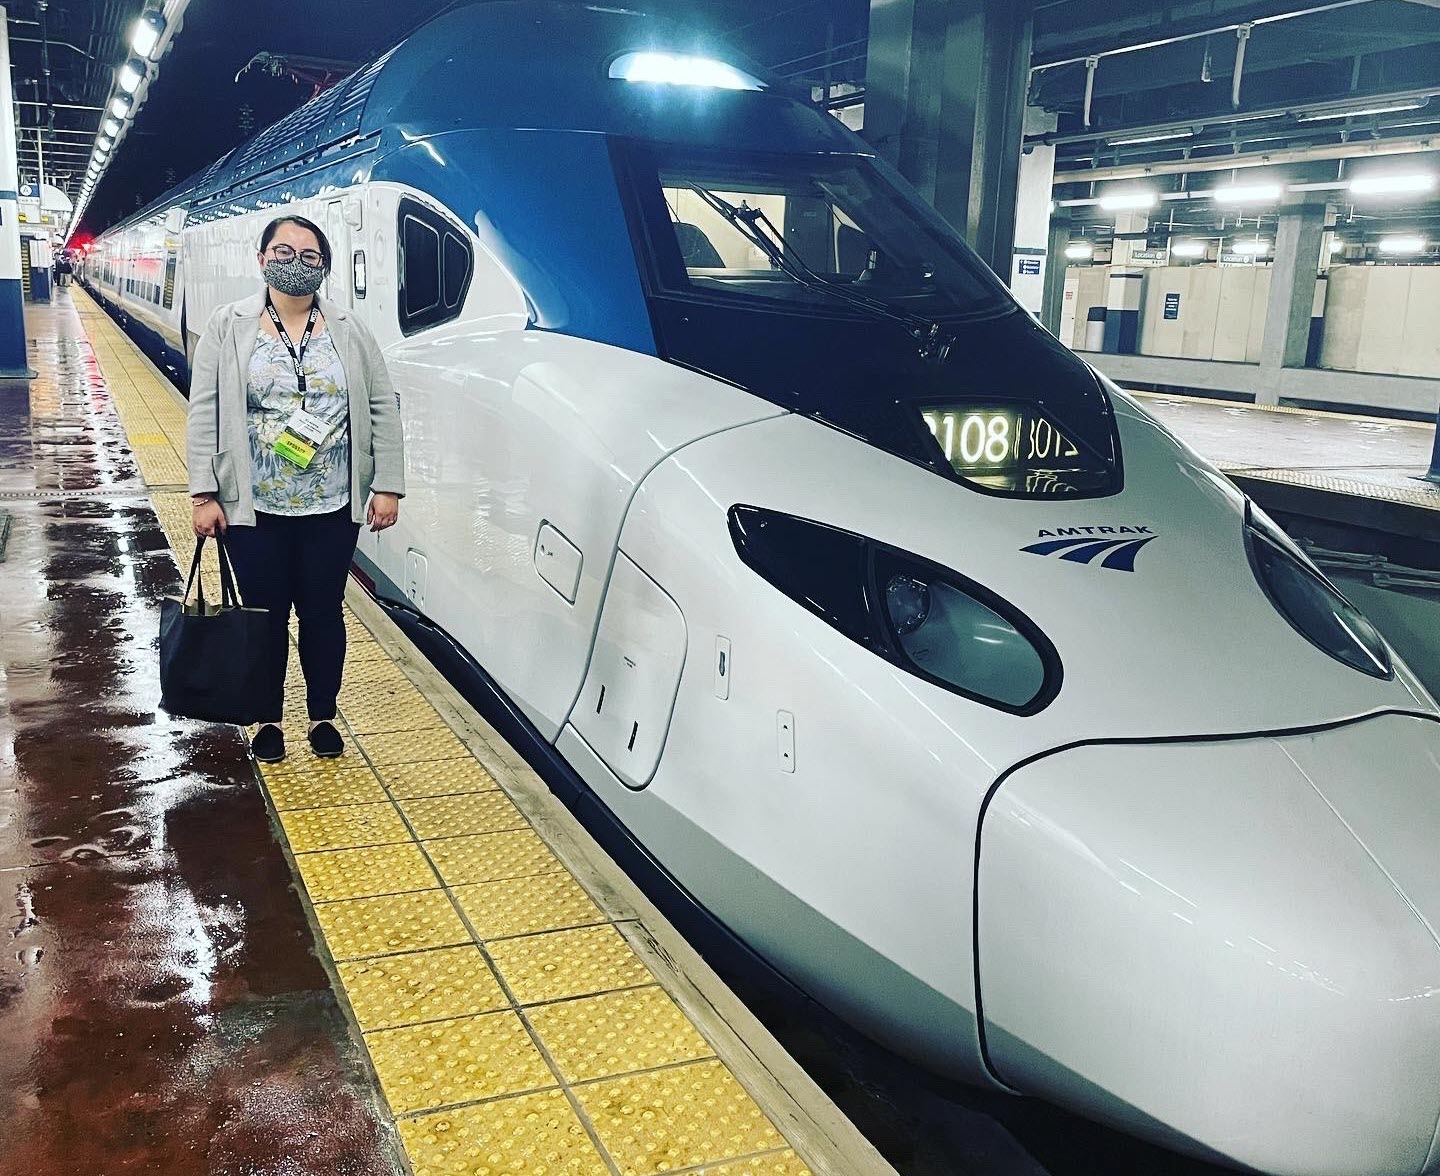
[1230,947]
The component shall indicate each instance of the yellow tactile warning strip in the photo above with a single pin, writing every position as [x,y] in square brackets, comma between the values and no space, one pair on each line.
[512,1026]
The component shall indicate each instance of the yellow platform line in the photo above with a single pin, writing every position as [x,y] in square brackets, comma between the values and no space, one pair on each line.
[513,1015]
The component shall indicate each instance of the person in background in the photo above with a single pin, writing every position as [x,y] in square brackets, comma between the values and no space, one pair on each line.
[293,442]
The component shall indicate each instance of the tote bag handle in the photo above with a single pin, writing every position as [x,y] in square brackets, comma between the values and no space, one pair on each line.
[229,593]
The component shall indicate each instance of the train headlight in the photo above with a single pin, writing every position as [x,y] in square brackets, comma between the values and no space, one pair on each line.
[1313,606]
[924,618]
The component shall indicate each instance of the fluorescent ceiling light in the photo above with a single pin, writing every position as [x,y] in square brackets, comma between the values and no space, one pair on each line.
[1079,250]
[1336,245]
[120,105]
[1188,248]
[1117,201]
[1392,185]
[1165,138]
[1404,244]
[131,74]
[145,33]
[111,126]
[678,69]
[1360,111]
[1251,248]
[105,142]
[1247,194]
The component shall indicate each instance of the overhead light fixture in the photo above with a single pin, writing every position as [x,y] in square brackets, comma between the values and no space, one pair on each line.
[1392,185]
[1121,201]
[130,75]
[146,32]
[1403,244]
[678,69]
[105,141]
[1360,111]
[1164,138]
[1336,245]
[111,126]
[120,105]
[1188,248]
[1079,250]
[1251,248]
[1247,194]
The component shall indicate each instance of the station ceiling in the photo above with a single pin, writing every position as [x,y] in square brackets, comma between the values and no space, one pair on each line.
[1315,52]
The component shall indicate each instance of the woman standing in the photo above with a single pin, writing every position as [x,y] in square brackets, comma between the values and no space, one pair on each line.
[293,426]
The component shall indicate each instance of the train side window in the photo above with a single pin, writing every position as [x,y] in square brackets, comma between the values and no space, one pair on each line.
[436,264]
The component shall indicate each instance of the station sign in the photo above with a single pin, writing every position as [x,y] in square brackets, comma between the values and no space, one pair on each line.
[1172,305]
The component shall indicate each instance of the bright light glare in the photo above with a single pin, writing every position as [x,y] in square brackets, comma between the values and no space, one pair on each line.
[120,105]
[1402,244]
[1336,245]
[1152,138]
[1248,194]
[145,34]
[1359,112]
[1116,201]
[1079,251]
[129,78]
[1252,248]
[1188,248]
[676,69]
[1392,185]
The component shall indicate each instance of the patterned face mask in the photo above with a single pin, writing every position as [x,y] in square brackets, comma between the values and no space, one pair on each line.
[294,277]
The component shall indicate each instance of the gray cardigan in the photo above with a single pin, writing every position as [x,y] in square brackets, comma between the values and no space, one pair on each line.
[219,374]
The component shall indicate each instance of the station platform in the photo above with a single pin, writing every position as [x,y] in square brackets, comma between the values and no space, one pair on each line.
[1349,470]
[410,959]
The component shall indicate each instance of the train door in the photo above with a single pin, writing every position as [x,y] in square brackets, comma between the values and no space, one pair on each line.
[337,230]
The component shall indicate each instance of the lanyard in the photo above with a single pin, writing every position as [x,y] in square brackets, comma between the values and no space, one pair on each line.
[297,357]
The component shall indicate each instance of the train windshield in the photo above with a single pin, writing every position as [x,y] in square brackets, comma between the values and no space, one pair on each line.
[823,231]
[822,284]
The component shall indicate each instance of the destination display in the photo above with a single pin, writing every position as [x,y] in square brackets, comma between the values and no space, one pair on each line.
[1004,448]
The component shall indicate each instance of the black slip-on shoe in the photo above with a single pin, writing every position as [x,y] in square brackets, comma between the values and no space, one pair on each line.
[325,741]
[268,746]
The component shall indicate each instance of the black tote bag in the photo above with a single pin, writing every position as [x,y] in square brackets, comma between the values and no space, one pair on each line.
[212,657]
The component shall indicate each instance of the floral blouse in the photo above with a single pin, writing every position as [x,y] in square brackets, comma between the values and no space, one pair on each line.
[271,397]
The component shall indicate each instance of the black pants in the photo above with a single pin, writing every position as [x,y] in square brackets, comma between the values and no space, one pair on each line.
[300,561]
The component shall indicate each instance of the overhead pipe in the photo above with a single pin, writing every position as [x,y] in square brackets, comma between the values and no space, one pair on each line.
[1242,38]
[1091,64]
[1201,121]
[1376,147]
[1159,42]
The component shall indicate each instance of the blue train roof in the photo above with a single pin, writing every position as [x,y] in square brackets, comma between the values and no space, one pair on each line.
[532,64]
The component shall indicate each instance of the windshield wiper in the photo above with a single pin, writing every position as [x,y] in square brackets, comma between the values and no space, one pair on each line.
[932,340]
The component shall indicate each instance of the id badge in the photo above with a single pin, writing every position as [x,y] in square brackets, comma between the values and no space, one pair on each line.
[301,438]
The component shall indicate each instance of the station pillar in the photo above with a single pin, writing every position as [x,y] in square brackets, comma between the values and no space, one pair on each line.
[1032,260]
[13,359]
[1126,284]
[1293,279]
[945,90]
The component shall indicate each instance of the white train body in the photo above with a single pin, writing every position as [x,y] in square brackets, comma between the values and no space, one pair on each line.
[1188,887]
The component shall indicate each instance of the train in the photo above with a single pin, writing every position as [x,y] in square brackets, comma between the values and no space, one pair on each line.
[913,650]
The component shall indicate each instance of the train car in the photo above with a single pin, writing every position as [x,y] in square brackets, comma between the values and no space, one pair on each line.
[907,645]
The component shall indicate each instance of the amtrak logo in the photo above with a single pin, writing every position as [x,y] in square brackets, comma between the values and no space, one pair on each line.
[1118,545]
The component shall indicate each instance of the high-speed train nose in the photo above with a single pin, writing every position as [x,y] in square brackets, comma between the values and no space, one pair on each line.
[1228,946]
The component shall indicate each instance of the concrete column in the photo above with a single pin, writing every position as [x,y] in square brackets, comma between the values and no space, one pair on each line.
[1032,215]
[1053,306]
[13,360]
[1127,281]
[1298,241]
[945,90]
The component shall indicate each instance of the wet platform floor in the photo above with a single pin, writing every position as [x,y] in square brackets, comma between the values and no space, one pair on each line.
[409,959]
[162,1008]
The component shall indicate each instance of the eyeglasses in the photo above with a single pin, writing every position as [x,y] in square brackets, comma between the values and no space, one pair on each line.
[311,257]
